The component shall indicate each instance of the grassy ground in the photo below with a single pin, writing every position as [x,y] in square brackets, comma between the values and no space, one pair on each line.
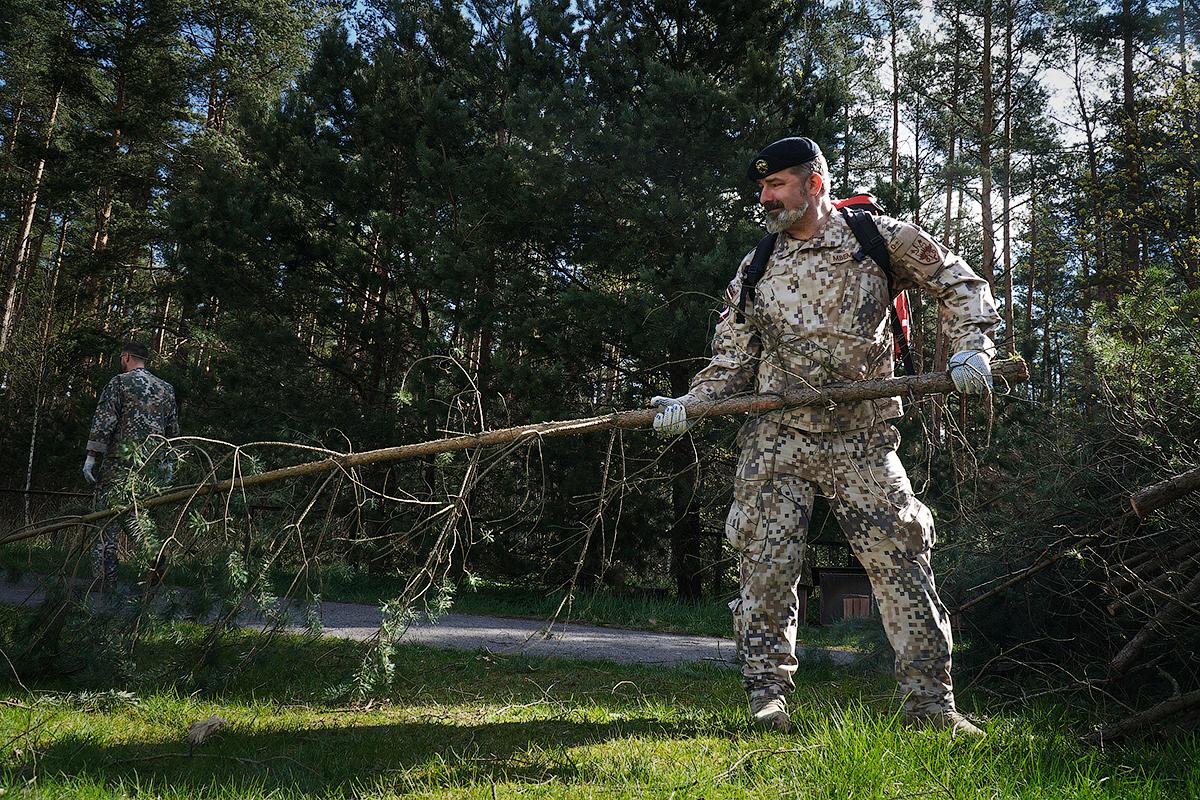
[641,610]
[479,725]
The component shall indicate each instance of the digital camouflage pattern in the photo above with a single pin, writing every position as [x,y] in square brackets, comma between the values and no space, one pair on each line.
[104,550]
[820,316]
[780,471]
[134,406]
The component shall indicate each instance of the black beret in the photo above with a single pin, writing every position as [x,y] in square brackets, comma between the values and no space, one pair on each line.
[782,154]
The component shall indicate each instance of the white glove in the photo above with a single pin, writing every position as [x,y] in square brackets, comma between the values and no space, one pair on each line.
[89,464]
[971,372]
[672,419]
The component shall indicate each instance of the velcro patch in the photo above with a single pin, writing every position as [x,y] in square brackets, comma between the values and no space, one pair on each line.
[924,251]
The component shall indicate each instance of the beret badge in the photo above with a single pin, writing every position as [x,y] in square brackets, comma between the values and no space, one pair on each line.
[782,154]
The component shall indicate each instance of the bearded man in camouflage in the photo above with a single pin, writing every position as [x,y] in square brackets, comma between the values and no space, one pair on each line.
[819,315]
[134,406]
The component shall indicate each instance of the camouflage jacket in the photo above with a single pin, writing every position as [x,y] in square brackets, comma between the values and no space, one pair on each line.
[820,316]
[133,406]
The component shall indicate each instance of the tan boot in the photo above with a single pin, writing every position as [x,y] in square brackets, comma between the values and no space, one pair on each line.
[770,714]
[952,721]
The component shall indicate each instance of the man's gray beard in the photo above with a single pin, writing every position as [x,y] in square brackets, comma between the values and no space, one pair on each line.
[785,219]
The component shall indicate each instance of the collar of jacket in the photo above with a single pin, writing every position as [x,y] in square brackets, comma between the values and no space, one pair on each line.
[832,234]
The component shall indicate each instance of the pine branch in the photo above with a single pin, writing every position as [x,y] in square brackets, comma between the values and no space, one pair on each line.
[1145,719]
[1161,622]
[1009,371]
[1142,502]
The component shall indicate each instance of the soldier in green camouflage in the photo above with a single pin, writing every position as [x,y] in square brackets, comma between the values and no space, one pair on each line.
[135,406]
[818,315]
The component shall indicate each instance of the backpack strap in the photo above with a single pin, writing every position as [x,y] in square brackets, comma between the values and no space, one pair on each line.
[754,273]
[871,244]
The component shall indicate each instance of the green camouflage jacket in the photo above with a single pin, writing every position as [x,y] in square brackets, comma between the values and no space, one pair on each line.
[133,406]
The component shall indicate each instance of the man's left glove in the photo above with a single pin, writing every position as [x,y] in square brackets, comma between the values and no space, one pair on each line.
[89,465]
[672,419]
[971,372]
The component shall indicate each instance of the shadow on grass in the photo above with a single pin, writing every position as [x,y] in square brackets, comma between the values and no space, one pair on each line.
[335,760]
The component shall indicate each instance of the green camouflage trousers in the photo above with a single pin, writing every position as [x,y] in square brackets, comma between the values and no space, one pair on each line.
[104,548]
[779,471]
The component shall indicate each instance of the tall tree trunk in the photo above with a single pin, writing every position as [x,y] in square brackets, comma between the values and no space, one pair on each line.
[1183,54]
[846,150]
[1031,268]
[105,205]
[160,335]
[1131,141]
[949,192]
[18,112]
[1010,338]
[214,118]
[28,272]
[918,171]
[940,356]
[21,251]
[1047,321]
[986,126]
[1188,257]
[915,298]
[955,77]
[1089,277]
[685,534]
[43,358]
[686,559]
[895,33]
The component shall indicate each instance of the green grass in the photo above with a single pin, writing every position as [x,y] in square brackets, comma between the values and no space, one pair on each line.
[478,725]
[628,609]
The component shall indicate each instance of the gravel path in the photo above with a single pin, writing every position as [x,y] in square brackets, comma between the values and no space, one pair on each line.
[512,635]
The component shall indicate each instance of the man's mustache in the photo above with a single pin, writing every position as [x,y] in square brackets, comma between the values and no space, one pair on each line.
[774,205]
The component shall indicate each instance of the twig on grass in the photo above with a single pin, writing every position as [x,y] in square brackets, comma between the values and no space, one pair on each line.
[223,757]
[762,751]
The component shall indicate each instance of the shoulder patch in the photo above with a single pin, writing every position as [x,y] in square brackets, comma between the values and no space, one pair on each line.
[924,251]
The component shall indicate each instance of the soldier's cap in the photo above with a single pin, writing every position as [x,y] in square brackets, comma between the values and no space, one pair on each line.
[137,350]
[782,154]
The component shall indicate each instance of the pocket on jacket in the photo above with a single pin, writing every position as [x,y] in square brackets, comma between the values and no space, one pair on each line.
[864,304]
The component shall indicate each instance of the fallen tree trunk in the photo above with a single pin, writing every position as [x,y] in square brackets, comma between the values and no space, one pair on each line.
[1142,502]
[1153,561]
[1144,719]
[1159,585]
[1155,497]
[1123,660]
[1007,371]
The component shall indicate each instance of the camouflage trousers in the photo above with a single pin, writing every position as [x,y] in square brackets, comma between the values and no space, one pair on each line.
[104,548]
[780,469]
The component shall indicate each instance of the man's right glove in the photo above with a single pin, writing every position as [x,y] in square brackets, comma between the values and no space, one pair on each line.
[672,419]
[971,372]
[89,464]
